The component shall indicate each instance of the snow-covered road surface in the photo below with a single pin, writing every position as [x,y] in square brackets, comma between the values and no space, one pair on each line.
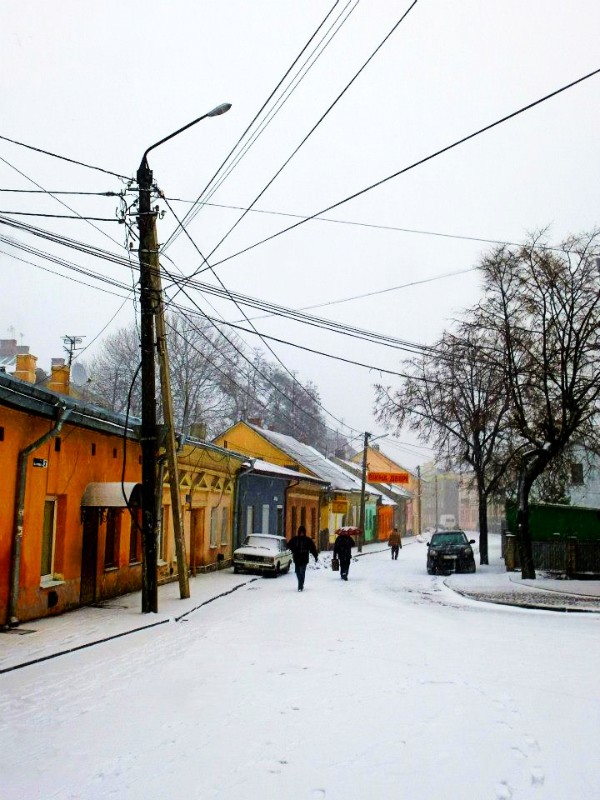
[388,686]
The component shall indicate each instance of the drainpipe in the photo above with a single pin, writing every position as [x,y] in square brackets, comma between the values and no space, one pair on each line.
[236,502]
[15,566]
[290,485]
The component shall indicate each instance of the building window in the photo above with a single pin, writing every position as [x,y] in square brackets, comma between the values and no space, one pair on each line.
[313,522]
[1,433]
[57,443]
[163,532]
[249,520]
[280,521]
[225,526]
[294,520]
[135,536]
[576,474]
[303,516]
[113,538]
[93,448]
[48,538]
[114,452]
[265,518]
[214,521]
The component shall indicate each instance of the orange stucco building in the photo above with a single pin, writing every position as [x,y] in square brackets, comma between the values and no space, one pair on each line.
[66,535]
[70,501]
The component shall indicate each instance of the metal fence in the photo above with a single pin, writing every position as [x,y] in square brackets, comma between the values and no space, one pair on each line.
[566,556]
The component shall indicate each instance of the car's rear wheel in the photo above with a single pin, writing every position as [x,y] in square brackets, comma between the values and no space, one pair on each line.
[287,569]
[236,569]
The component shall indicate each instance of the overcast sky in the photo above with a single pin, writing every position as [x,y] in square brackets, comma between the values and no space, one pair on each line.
[101,82]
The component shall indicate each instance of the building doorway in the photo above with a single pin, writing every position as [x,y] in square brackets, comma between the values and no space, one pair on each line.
[89,555]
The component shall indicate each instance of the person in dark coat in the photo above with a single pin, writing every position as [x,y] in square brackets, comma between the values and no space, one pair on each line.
[395,542]
[342,549]
[302,546]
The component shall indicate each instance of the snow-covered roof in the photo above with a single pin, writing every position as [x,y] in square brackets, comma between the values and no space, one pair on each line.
[275,469]
[311,459]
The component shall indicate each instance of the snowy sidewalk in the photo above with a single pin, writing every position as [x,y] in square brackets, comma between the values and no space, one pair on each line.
[41,639]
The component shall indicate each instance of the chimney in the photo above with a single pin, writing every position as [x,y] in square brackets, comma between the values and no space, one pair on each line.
[8,348]
[25,367]
[198,430]
[255,421]
[60,377]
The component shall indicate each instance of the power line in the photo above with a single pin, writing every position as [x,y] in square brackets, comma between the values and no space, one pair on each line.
[61,191]
[412,166]
[238,306]
[236,297]
[373,225]
[62,203]
[316,125]
[190,213]
[64,158]
[63,216]
[277,107]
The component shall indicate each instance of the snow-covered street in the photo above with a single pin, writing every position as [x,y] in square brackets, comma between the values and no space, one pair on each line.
[388,686]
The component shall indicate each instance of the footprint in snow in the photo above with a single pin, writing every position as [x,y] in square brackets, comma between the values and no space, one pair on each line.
[318,794]
[503,791]
[532,743]
[537,776]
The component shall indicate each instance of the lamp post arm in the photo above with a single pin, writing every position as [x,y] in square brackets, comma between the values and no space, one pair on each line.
[214,113]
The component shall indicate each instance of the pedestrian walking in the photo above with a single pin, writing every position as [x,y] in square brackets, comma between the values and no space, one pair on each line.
[302,546]
[395,542]
[342,549]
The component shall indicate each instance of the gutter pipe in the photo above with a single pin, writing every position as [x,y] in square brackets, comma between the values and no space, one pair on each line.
[245,470]
[15,566]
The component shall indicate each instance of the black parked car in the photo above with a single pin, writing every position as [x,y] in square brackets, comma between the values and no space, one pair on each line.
[450,551]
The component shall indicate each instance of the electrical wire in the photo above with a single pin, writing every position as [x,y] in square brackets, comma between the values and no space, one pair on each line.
[64,158]
[404,170]
[62,216]
[256,117]
[315,126]
[279,104]
[373,225]
[273,309]
[58,200]
[60,191]
[265,343]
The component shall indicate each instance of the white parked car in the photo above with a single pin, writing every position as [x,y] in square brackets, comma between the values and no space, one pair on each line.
[262,552]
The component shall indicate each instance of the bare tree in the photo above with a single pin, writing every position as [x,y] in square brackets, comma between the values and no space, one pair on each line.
[112,370]
[542,307]
[455,399]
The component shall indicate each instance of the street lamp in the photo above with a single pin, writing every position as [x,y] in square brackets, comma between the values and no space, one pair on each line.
[149,303]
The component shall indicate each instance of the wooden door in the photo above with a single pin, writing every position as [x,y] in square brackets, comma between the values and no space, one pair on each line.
[89,556]
[197,538]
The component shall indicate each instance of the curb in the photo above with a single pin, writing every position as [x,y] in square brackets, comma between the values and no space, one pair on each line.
[528,606]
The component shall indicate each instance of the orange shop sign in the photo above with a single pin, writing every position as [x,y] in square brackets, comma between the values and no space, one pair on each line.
[387,477]
[339,507]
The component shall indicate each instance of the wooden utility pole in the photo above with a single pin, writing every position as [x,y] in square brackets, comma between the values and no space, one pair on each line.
[361,521]
[149,441]
[419,525]
[151,304]
[171,443]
